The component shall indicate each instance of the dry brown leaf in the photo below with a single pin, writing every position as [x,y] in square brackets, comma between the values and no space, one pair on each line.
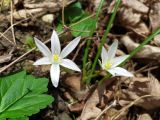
[73,82]
[76,107]
[136,5]
[140,87]
[32,8]
[5,58]
[111,112]
[74,85]
[132,20]
[144,116]
[148,53]
[156,40]
[90,111]
[154,15]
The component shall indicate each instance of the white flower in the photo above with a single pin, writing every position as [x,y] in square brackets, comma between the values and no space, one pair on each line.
[110,62]
[56,57]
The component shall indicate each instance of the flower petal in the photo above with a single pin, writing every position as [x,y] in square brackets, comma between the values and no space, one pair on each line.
[100,63]
[112,50]
[70,47]
[43,48]
[55,43]
[118,71]
[104,55]
[118,60]
[54,73]
[69,64]
[42,61]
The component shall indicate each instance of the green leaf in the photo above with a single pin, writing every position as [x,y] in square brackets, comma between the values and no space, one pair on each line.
[22,95]
[21,118]
[83,27]
[59,27]
[73,13]
[30,42]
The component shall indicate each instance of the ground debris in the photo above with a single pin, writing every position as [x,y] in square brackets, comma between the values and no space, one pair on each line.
[147,54]
[139,87]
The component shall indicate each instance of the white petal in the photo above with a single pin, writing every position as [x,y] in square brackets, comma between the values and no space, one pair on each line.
[69,64]
[70,47]
[54,73]
[42,61]
[55,43]
[112,49]
[100,63]
[43,48]
[104,55]
[118,71]
[118,60]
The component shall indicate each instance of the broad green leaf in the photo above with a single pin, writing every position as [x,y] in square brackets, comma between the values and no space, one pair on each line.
[21,118]
[22,95]
[73,13]
[83,27]
[59,27]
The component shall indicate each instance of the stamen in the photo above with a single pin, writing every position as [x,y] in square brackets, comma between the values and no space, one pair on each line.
[108,65]
[55,58]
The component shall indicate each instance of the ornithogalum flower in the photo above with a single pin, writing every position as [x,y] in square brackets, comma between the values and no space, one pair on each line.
[110,62]
[56,57]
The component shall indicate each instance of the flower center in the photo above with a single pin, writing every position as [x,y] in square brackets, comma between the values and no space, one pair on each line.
[108,65]
[55,58]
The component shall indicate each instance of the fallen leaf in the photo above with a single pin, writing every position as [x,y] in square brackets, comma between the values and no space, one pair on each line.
[90,111]
[147,54]
[139,87]
[154,15]
[144,116]
[132,20]
[73,83]
[136,5]
[77,107]
[111,112]
[5,58]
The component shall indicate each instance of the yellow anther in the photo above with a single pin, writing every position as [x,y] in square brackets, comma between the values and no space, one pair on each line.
[55,58]
[108,65]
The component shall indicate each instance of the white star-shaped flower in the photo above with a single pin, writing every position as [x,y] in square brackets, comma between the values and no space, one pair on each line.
[56,57]
[110,62]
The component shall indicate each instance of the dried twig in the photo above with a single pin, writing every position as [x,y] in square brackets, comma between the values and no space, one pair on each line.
[121,112]
[63,3]
[12,28]
[107,108]
[1,34]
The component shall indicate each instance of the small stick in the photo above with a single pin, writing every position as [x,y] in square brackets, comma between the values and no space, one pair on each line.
[107,108]
[63,2]
[128,106]
[6,38]
[13,25]
[12,28]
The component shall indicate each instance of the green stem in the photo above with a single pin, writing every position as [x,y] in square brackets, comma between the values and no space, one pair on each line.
[103,40]
[85,57]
